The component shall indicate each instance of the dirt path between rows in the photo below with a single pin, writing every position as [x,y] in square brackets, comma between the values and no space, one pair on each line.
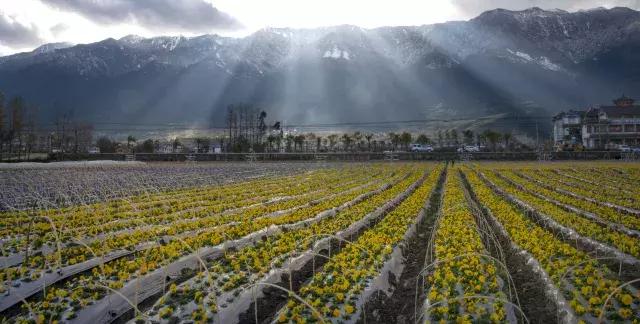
[402,304]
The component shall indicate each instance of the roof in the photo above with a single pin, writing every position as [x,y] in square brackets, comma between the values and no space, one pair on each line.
[560,115]
[615,111]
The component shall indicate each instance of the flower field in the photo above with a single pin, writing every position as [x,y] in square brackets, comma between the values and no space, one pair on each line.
[322,242]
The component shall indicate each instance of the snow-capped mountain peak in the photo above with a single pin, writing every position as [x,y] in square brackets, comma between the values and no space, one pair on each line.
[478,63]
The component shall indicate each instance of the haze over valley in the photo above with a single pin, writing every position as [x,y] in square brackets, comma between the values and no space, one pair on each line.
[524,65]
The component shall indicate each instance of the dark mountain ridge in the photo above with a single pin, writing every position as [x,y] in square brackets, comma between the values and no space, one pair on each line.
[526,63]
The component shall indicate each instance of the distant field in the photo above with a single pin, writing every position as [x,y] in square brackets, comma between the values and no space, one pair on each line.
[320,242]
[59,184]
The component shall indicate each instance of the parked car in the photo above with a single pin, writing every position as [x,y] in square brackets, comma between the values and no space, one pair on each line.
[624,148]
[421,148]
[469,148]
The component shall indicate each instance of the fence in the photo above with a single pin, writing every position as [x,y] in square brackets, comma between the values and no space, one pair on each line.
[356,156]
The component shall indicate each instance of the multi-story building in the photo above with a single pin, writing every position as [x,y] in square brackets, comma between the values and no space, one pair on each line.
[567,127]
[602,127]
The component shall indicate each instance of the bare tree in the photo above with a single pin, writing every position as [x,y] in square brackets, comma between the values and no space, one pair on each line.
[30,137]
[17,107]
[62,126]
[2,128]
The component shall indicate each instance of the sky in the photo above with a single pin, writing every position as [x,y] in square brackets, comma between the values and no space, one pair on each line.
[26,24]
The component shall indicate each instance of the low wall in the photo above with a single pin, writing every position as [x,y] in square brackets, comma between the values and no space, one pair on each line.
[354,156]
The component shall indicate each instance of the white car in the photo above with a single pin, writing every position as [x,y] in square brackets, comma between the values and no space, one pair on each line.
[421,148]
[624,148]
[469,148]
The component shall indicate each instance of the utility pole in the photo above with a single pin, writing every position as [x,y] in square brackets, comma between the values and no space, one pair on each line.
[537,138]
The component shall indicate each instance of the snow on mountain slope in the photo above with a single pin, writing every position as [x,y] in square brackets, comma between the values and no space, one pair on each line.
[490,64]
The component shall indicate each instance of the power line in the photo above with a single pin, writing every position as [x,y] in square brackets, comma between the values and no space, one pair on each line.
[522,121]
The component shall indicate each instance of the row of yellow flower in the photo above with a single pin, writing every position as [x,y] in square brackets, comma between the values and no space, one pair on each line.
[334,290]
[101,219]
[587,286]
[604,212]
[626,178]
[116,273]
[239,269]
[190,224]
[599,193]
[461,269]
[585,227]
[124,208]
[77,253]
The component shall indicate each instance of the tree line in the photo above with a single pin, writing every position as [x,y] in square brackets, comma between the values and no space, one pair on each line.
[248,129]
[20,134]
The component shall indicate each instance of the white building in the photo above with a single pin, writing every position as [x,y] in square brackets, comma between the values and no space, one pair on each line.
[567,127]
[599,128]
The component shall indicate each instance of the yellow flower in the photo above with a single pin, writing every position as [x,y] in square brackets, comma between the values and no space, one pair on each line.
[625,313]
[348,309]
[626,299]
[336,313]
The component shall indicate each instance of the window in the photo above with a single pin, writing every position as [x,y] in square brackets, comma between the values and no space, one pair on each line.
[615,128]
[629,128]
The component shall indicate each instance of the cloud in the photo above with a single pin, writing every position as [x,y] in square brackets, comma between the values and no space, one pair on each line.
[195,16]
[16,34]
[59,29]
[471,8]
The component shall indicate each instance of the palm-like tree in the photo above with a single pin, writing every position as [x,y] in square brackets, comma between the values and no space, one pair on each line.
[492,137]
[423,139]
[507,137]
[405,139]
[288,140]
[299,141]
[357,138]
[130,139]
[368,137]
[270,140]
[333,140]
[467,134]
[346,140]
[394,139]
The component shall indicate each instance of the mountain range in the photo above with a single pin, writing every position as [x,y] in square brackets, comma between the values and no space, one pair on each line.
[526,64]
